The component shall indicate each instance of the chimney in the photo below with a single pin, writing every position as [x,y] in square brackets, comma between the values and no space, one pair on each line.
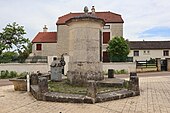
[93,10]
[45,28]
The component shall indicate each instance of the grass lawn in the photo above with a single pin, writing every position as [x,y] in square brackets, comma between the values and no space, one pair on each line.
[65,87]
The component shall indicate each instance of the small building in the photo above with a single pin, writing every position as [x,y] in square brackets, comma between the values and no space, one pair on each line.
[44,43]
[145,50]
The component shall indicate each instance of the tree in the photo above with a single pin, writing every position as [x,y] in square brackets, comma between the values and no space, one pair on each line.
[118,49]
[12,37]
[25,53]
[8,56]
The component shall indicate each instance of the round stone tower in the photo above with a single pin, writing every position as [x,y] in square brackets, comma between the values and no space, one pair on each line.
[84,48]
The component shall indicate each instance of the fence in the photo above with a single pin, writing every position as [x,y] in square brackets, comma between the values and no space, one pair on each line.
[37,59]
[146,64]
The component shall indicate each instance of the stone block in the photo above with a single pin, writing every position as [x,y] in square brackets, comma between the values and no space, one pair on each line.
[134,84]
[80,77]
[43,84]
[91,89]
[110,73]
[34,79]
[133,74]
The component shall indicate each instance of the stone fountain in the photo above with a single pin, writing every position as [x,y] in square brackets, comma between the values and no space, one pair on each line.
[84,48]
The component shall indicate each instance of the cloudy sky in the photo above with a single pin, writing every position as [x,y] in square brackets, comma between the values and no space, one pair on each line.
[144,19]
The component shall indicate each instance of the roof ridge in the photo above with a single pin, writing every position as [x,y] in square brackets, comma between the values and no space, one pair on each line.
[152,41]
[48,32]
[107,16]
[90,12]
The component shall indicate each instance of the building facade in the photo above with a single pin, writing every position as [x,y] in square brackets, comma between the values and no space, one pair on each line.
[57,43]
[60,44]
[146,50]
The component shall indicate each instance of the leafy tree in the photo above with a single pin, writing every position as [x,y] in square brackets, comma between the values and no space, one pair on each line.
[25,53]
[11,37]
[7,57]
[118,49]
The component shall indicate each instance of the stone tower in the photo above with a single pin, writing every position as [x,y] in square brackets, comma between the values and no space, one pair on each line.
[84,48]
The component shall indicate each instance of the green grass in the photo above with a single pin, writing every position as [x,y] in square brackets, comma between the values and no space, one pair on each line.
[65,87]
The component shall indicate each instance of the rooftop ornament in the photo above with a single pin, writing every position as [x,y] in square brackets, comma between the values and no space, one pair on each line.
[86,10]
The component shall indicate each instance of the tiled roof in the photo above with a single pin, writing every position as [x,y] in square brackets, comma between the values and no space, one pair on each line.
[149,45]
[108,17]
[45,37]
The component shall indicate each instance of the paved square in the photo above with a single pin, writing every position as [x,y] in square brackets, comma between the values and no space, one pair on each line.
[154,98]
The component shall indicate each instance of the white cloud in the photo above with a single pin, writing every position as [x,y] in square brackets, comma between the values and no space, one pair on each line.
[139,16]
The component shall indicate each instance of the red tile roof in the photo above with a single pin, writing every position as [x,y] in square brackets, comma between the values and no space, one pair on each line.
[108,17]
[45,37]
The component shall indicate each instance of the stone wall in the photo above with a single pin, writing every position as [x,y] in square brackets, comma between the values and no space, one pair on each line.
[130,67]
[44,67]
[152,69]
[25,67]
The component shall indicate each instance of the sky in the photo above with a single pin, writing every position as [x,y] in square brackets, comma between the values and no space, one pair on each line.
[143,19]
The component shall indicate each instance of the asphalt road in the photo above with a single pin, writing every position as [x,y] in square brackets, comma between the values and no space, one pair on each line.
[147,74]
[4,82]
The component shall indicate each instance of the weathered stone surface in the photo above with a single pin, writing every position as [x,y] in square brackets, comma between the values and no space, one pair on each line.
[34,79]
[84,50]
[43,84]
[61,97]
[133,74]
[80,77]
[110,73]
[19,84]
[75,98]
[158,61]
[114,95]
[91,89]
[111,82]
[168,64]
[134,84]
[56,70]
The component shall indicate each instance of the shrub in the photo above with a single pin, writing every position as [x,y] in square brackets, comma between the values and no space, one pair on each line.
[12,74]
[122,71]
[4,74]
[22,75]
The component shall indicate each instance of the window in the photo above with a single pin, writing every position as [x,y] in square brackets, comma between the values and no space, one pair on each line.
[105,56]
[106,27]
[136,53]
[106,37]
[165,53]
[146,52]
[38,47]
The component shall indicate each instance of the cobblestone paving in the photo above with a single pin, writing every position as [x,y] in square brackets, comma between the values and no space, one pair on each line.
[154,98]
